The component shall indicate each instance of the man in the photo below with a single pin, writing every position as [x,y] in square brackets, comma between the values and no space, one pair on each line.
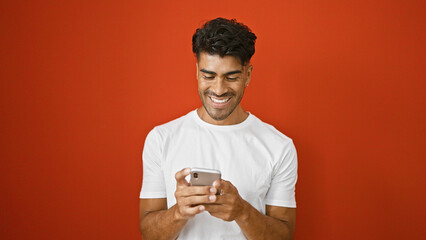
[258,163]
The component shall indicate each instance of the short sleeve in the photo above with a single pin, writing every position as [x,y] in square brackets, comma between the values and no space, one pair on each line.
[282,189]
[153,185]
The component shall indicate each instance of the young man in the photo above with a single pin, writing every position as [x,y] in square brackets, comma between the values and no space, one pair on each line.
[258,163]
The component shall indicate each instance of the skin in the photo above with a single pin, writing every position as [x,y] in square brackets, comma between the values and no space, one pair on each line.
[221,78]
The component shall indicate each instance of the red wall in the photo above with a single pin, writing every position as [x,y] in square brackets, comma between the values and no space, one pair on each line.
[83,83]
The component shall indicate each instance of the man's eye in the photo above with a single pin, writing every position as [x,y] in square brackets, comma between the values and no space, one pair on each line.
[232,79]
[208,77]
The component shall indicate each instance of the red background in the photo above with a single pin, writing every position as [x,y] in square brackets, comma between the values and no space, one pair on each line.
[83,82]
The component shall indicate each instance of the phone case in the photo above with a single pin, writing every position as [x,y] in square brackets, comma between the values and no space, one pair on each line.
[204,176]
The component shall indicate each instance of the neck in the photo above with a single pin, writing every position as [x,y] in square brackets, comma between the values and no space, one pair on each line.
[236,117]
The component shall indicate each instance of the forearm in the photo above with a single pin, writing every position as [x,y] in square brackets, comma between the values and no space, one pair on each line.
[256,225]
[161,224]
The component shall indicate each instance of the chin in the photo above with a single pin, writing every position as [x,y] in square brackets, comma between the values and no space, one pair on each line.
[219,118]
[218,115]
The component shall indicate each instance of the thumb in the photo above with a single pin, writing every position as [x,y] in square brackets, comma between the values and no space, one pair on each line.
[224,186]
[180,176]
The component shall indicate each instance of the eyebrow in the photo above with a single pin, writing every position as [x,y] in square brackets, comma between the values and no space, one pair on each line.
[213,73]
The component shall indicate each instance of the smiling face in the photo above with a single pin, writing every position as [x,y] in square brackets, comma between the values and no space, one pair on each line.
[221,85]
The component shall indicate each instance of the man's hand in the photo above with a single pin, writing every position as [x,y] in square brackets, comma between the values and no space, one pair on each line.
[229,205]
[190,199]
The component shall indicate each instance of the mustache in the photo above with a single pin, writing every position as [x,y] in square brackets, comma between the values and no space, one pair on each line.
[211,93]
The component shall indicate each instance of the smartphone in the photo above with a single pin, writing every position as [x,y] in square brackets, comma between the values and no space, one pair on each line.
[204,176]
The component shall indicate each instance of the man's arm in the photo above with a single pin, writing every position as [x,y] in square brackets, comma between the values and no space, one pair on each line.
[278,223]
[158,222]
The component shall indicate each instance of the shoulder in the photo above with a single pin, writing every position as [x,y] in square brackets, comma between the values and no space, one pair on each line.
[270,133]
[169,128]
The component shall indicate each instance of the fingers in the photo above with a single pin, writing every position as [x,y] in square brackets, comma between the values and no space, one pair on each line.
[180,176]
[217,183]
[200,190]
[190,200]
[197,200]
[194,191]
[191,211]
[225,187]
[229,205]
[221,200]
[190,206]
[188,212]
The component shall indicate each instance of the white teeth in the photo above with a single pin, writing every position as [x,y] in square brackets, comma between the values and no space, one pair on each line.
[218,100]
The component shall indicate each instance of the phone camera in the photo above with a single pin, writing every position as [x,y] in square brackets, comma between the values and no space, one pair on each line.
[195,175]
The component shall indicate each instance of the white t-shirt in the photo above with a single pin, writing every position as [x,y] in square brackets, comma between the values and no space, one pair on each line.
[257,159]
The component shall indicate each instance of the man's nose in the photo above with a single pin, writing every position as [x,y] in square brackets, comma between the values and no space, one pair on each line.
[219,86]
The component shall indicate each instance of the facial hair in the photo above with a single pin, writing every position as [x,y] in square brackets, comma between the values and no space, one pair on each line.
[219,117]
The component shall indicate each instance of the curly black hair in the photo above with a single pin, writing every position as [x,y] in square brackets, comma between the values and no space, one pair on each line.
[224,37]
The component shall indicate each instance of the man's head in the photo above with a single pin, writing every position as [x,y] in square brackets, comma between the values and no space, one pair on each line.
[225,38]
[223,49]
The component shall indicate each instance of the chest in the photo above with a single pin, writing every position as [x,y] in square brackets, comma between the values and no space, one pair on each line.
[242,159]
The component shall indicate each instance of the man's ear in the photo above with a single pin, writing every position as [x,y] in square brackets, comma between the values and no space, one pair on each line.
[249,71]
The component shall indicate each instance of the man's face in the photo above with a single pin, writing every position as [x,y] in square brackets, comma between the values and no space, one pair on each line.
[221,84]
